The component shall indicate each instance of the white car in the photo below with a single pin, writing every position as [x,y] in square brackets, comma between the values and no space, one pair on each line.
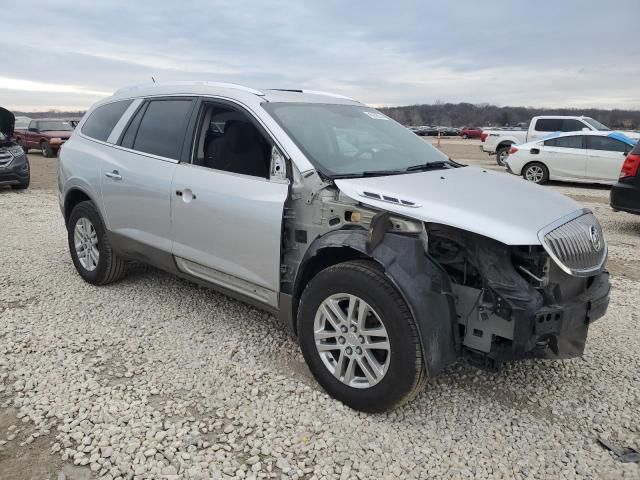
[589,157]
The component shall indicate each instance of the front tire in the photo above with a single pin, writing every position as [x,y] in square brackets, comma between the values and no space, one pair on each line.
[359,338]
[90,249]
[536,172]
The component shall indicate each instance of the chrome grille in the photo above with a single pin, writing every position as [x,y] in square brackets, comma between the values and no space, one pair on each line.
[5,158]
[577,245]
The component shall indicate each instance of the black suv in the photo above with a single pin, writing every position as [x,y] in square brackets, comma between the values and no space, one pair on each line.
[625,195]
[14,166]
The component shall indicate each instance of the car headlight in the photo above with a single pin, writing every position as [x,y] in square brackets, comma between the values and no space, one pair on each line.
[16,150]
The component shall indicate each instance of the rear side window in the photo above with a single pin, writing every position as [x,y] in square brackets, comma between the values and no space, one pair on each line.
[608,144]
[574,141]
[570,125]
[162,129]
[549,125]
[102,120]
[636,149]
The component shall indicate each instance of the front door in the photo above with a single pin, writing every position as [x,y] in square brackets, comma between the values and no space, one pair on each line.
[226,212]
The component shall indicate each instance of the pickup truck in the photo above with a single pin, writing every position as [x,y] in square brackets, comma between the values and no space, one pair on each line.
[45,134]
[499,142]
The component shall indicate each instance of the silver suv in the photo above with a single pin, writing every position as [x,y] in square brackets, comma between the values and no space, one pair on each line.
[388,260]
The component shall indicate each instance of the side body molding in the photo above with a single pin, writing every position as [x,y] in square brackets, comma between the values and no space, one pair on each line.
[423,284]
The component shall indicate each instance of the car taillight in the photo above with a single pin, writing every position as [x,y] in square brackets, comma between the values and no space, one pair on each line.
[630,166]
[483,136]
[513,150]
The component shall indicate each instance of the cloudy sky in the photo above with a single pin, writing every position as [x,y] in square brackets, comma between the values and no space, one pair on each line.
[67,54]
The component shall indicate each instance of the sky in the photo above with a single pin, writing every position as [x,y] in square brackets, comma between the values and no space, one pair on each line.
[67,54]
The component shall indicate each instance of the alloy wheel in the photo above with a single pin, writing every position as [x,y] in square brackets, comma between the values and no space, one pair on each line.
[351,340]
[534,174]
[85,240]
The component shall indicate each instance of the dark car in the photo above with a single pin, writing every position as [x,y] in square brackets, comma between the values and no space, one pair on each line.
[470,132]
[14,166]
[625,195]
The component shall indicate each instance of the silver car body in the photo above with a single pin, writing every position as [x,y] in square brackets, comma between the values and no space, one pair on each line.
[227,229]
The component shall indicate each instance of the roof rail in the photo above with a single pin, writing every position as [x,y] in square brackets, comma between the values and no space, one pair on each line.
[328,94]
[205,83]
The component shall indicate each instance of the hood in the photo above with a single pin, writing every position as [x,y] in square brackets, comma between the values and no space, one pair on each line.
[7,122]
[56,133]
[503,207]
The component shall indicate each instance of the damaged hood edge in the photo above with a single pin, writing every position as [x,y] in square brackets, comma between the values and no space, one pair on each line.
[7,122]
[498,206]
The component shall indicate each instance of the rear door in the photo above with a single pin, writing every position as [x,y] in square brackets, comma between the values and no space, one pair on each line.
[566,157]
[136,175]
[605,158]
[226,211]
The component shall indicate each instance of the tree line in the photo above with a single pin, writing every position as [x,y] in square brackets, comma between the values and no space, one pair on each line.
[486,115]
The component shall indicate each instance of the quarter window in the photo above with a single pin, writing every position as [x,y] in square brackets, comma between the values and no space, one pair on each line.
[163,127]
[102,120]
[607,144]
[574,141]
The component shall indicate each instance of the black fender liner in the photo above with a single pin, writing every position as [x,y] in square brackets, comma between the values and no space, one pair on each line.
[421,281]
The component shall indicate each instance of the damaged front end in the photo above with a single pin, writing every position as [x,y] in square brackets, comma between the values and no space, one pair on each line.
[516,302]
[471,296]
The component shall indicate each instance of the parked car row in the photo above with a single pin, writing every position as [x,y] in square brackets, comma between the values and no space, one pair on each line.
[431,131]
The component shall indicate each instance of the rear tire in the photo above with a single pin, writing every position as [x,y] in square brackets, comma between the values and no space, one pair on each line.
[395,374]
[501,155]
[46,150]
[86,235]
[536,172]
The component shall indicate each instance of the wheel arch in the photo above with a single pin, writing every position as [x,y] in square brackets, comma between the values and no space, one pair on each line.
[421,282]
[72,198]
[504,143]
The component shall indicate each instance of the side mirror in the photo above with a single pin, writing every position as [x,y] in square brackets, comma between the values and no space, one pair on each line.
[33,129]
[278,167]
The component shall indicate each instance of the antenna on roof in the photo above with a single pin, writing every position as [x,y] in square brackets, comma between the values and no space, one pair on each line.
[153,80]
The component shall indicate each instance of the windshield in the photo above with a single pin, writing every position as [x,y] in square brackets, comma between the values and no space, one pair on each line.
[343,140]
[54,125]
[596,124]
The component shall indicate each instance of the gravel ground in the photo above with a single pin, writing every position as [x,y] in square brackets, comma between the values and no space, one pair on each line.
[154,377]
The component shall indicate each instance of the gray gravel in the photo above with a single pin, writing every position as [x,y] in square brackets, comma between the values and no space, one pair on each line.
[154,377]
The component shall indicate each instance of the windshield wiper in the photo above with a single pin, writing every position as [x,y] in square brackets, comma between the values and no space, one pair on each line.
[370,173]
[430,166]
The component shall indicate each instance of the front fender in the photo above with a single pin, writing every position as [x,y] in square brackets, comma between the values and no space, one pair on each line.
[423,284]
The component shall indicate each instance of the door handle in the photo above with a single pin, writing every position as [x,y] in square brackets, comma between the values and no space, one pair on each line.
[115,175]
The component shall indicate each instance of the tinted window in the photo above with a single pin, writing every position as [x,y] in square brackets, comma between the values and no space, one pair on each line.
[131,130]
[103,119]
[54,126]
[636,149]
[549,125]
[162,129]
[566,142]
[572,125]
[608,144]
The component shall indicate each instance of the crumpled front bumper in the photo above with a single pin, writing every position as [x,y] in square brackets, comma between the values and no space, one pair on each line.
[560,331]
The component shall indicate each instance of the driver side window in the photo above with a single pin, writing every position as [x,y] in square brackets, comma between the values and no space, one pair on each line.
[228,140]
